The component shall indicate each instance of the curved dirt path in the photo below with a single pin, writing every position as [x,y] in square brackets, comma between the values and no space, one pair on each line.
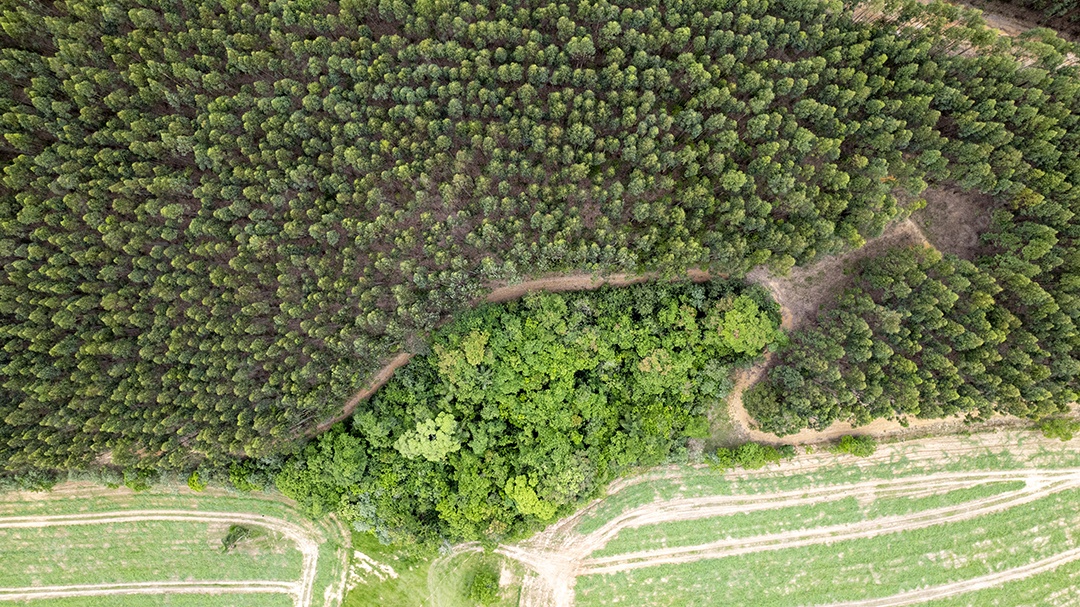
[301,590]
[819,535]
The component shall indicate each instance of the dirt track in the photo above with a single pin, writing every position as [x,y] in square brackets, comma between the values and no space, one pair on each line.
[558,555]
[301,591]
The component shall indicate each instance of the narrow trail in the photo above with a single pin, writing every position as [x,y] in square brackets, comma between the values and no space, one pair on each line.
[302,590]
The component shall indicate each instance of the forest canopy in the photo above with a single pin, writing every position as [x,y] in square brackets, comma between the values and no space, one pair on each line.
[218,217]
[522,410]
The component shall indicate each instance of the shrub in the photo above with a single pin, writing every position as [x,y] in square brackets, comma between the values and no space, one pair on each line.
[859,446]
[236,534]
[484,585]
[1060,428]
[196,483]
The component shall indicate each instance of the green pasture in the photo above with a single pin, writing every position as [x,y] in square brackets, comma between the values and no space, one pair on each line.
[428,579]
[147,551]
[166,600]
[700,481]
[778,520]
[856,569]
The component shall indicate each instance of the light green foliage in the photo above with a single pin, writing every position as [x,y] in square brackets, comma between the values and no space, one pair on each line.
[528,504]
[195,483]
[746,329]
[1060,428]
[432,439]
[523,410]
[859,446]
[484,585]
[750,456]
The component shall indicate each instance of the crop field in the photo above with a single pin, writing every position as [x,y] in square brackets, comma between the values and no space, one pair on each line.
[991,519]
[85,545]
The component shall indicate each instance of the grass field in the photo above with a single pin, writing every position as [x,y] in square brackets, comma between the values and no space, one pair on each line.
[778,520]
[983,520]
[87,541]
[382,577]
[175,600]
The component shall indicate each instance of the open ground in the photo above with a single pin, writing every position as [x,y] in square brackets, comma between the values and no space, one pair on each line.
[80,541]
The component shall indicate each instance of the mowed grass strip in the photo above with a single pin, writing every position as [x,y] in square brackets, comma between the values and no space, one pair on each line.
[166,600]
[851,569]
[691,482]
[1057,588]
[779,520]
[86,498]
[145,551]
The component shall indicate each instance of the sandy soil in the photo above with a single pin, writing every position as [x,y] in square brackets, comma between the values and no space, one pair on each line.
[301,590]
[558,555]
[806,289]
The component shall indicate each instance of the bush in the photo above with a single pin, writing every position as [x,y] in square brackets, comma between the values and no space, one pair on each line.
[484,585]
[236,534]
[1060,428]
[859,446]
[752,456]
[196,483]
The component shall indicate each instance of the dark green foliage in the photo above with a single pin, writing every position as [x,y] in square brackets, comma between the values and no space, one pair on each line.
[235,535]
[918,334]
[859,446]
[523,410]
[484,585]
[1060,428]
[218,218]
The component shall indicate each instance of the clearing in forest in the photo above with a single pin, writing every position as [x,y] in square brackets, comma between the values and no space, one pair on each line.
[943,521]
[81,544]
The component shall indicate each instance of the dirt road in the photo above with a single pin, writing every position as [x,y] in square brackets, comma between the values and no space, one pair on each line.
[301,590]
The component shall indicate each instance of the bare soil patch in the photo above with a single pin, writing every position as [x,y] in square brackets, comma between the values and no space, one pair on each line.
[953,220]
[804,291]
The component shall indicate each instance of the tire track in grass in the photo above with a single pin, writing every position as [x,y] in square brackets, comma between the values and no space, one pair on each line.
[301,591]
[556,557]
[983,582]
[87,590]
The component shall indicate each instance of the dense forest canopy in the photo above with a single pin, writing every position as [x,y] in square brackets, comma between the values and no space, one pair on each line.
[522,410]
[218,217]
